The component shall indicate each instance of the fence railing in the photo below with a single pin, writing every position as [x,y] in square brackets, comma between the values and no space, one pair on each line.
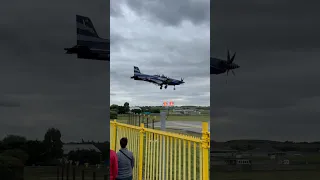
[164,155]
[68,172]
[137,119]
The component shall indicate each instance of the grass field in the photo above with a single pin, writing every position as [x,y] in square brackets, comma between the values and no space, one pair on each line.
[266,175]
[50,173]
[172,118]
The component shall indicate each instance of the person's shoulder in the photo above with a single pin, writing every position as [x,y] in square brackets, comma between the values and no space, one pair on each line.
[131,153]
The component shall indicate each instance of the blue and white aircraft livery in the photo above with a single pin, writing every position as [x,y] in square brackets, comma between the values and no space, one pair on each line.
[89,44]
[156,79]
[219,66]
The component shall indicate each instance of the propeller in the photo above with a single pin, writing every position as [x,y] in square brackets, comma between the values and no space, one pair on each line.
[230,60]
[231,71]
[182,79]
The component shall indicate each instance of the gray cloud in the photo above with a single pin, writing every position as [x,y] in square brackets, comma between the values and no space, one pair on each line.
[175,48]
[54,89]
[172,13]
[276,91]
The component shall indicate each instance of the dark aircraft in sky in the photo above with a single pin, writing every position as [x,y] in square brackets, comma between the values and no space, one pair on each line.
[89,44]
[156,79]
[219,66]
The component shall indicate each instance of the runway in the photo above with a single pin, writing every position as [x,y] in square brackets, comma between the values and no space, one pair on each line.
[191,126]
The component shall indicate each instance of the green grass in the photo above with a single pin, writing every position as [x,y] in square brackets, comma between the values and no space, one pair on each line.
[266,175]
[50,173]
[200,118]
[310,159]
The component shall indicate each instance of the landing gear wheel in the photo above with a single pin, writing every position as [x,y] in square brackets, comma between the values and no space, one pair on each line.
[160,87]
[165,87]
[174,88]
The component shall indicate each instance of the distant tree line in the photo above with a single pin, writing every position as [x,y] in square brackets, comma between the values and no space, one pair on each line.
[125,109]
[247,145]
[17,152]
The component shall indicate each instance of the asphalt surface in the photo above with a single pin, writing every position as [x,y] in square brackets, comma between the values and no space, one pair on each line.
[190,126]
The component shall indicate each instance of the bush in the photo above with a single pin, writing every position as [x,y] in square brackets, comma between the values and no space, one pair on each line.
[11,168]
[113,115]
[16,153]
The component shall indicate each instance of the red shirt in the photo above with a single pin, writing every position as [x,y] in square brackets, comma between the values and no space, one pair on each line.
[113,165]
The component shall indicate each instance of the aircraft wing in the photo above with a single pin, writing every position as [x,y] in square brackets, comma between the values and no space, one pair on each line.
[154,80]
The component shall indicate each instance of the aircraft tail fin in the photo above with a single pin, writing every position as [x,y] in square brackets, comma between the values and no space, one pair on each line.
[136,70]
[85,30]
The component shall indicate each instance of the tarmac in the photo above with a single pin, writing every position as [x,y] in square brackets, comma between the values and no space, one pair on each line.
[189,126]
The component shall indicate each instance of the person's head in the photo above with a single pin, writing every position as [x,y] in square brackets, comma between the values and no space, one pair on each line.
[123,142]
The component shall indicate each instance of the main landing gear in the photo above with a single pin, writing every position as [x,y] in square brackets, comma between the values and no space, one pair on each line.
[166,86]
[174,87]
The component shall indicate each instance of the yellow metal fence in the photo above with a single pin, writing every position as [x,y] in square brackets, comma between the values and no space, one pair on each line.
[163,155]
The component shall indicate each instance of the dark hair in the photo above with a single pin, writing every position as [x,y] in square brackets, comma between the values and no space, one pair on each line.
[123,142]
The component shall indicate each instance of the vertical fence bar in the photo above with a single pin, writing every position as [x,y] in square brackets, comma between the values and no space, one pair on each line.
[114,135]
[205,150]
[62,172]
[141,147]
[139,119]
[58,173]
[82,174]
[73,173]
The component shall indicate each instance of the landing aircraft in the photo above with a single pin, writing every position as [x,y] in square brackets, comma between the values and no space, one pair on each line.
[219,66]
[89,44]
[156,79]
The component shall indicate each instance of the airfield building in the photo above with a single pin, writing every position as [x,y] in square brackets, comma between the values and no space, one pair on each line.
[74,147]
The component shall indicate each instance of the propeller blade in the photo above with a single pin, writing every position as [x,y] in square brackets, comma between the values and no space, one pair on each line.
[233,73]
[228,56]
[232,59]
[227,72]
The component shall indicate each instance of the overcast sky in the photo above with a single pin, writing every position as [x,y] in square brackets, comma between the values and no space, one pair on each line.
[160,37]
[275,94]
[42,87]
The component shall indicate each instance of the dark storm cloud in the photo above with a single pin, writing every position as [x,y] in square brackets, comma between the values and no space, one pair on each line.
[54,89]
[276,90]
[9,104]
[172,13]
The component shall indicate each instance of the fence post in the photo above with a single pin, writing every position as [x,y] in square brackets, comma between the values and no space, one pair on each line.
[163,128]
[67,173]
[144,118]
[58,173]
[135,119]
[139,119]
[114,135]
[73,173]
[141,147]
[205,150]
[62,172]
[82,174]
